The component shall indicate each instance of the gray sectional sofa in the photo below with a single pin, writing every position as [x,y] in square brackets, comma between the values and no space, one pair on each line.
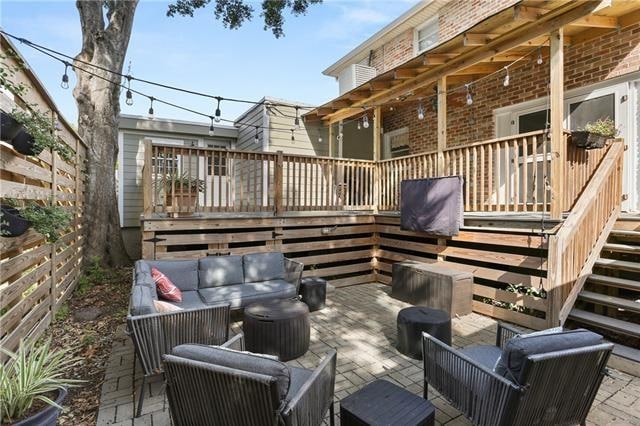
[235,280]
[210,287]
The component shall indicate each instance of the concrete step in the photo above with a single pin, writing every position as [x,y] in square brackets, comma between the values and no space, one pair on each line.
[611,301]
[614,282]
[622,248]
[611,324]
[621,265]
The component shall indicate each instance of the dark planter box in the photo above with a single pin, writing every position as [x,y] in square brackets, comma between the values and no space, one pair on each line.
[23,142]
[587,140]
[46,417]
[13,224]
[9,127]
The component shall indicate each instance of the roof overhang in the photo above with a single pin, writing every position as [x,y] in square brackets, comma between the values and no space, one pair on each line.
[482,50]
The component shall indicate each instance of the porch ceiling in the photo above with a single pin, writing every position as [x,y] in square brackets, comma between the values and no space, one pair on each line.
[483,49]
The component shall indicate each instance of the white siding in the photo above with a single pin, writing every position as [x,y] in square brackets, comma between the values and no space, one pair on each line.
[247,131]
[281,121]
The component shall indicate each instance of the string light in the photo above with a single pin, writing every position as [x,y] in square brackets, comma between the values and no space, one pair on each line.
[129,95]
[151,98]
[539,56]
[293,138]
[469,97]
[256,138]
[296,122]
[365,121]
[359,127]
[218,113]
[211,128]
[65,78]
[320,139]
[505,83]
[420,111]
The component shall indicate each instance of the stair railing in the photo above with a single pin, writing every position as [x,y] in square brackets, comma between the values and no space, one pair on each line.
[576,246]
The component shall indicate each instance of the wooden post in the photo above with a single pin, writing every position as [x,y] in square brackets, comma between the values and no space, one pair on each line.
[442,124]
[558,147]
[330,139]
[54,191]
[554,281]
[377,134]
[278,183]
[147,183]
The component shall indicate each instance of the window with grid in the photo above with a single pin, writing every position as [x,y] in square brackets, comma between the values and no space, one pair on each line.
[427,35]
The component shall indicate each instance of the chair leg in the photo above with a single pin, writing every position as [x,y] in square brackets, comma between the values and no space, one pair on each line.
[425,391]
[332,414]
[141,397]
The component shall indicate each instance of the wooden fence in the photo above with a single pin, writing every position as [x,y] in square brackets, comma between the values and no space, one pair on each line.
[35,276]
[510,174]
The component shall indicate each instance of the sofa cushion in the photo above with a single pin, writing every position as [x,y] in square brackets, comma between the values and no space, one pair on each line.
[241,295]
[263,267]
[142,298]
[183,273]
[190,300]
[215,271]
[485,355]
[298,377]
[164,307]
[517,349]
[141,266]
[244,361]
[145,278]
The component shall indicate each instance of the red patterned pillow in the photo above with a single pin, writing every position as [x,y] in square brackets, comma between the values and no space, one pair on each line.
[166,289]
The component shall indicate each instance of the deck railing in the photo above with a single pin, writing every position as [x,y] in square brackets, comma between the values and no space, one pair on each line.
[577,244]
[506,174]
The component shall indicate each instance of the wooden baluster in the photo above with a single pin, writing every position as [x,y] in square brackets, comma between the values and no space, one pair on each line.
[474,180]
[525,174]
[467,179]
[545,177]
[507,180]
[516,175]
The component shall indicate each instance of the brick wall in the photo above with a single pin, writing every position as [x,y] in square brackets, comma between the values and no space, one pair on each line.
[610,55]
[393,53]
[457,16]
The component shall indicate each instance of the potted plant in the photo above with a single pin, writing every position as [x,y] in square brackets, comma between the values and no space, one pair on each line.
[33,386]
[12,224]
[595,134]
[37,134]
[47,220]
[183,190]
[9,126]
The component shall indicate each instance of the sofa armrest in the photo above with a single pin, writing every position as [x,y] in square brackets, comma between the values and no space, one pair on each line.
[504,333]
[157,334]
[293,272]
[313,399]
[236,342]
[479,393]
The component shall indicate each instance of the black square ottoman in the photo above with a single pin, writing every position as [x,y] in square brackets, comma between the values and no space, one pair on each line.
[383,403]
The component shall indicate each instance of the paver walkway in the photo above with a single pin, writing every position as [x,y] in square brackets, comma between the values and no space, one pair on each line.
[360,322]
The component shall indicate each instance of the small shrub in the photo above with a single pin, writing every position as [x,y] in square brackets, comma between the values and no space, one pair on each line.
[95,272]
[88,339]
[34,371]
[50,221]
[83,286]
[604,127]
[62,313]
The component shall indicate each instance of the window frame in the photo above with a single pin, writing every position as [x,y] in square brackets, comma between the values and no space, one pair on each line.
[416,34]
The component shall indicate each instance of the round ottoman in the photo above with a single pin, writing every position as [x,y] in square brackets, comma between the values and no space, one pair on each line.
[413,321]
[279,327]
[313,291]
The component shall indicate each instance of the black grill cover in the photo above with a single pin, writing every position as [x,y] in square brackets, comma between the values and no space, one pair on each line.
[432,205]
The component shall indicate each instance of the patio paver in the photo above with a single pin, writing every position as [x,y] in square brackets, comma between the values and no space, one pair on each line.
[360,322]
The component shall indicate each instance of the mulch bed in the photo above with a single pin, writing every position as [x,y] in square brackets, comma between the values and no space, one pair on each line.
[87,323]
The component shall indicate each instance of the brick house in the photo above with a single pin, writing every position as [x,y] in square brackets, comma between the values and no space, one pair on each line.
[601,78]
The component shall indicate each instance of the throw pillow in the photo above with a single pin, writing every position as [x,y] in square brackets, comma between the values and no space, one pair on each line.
[166,289]
[165,307]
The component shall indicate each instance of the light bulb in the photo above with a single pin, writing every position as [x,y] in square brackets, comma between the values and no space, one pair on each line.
[365,122]
[65,78]
[505,83]
[293,138]
[296,122]
[358,125]
[469,97]
[151,109]
[211,128]
[539,56]
[256,138]
[129,96]
[420,112]
[218,113]
[320,140]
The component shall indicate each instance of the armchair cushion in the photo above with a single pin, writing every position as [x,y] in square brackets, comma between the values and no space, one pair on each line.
[244,361]
[183,273]
[517,349]
[485,355]
[298,378]
[263,267]
[215,271]
[142,298]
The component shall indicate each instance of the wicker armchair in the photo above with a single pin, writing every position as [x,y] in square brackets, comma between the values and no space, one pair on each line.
[154,335]
[205,393]
[552,388]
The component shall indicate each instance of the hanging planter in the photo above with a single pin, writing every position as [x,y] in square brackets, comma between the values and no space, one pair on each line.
[37,134]
[595,134]
[9,127]
[12,222]
[25,144]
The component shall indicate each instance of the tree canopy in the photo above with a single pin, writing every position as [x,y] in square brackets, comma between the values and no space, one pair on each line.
[234,13]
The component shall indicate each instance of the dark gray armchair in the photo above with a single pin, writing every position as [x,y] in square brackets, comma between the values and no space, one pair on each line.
[544,378]
[212,385]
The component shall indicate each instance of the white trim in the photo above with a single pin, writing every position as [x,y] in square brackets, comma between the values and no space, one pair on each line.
[120,177]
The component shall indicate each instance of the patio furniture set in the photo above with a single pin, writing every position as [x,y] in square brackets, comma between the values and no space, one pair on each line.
[211,379]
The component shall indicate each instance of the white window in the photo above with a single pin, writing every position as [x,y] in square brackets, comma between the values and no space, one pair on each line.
[426,35]
[395,143]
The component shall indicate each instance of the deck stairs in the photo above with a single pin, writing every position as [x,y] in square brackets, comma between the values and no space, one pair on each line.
[610,300]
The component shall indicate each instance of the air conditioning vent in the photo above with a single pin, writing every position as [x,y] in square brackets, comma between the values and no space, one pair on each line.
[353,76]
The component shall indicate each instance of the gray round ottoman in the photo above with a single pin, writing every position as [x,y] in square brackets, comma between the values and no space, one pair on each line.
[313,291]
[279,327]
[413,321]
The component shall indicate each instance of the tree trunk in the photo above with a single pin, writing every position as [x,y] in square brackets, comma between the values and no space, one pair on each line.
[104,44]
